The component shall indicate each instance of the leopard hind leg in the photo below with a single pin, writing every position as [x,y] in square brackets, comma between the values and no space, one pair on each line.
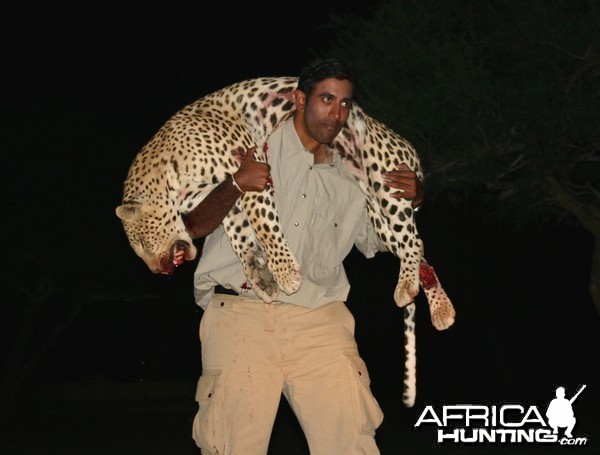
[407,287]
[440,307]
[398,233]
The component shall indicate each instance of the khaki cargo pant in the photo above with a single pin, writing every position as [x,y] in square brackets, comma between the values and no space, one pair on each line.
[252,352]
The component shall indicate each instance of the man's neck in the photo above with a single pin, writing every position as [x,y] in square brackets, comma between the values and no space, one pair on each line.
[322,154]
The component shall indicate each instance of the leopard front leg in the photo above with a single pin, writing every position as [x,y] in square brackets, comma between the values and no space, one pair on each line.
[264,220]
[254,260]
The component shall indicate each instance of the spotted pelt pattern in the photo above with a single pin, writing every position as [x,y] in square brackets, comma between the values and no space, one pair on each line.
[198,148]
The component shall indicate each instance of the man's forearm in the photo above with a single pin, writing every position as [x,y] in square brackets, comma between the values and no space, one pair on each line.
[206,217]
[209,214]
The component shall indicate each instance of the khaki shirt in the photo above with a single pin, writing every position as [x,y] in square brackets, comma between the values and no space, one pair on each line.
[323,213]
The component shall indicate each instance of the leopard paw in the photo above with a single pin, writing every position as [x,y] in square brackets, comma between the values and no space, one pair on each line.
[288,275]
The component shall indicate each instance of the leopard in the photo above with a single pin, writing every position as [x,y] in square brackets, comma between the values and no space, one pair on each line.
[198,148]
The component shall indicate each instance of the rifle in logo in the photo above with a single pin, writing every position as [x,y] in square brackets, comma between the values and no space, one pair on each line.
[577,394]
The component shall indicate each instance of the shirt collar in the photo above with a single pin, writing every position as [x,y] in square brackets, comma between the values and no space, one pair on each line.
[298,148]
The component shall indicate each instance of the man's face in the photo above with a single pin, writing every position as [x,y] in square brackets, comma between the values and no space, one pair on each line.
[327,109]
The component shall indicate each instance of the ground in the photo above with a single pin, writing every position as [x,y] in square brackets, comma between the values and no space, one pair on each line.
[121,380]
[150,426]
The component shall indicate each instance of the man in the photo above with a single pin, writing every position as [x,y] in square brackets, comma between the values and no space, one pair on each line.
[560,413]
[303,344]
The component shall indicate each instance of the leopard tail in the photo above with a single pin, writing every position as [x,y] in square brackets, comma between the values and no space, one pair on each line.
[410,362]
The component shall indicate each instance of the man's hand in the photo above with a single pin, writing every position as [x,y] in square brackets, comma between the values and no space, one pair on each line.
[252,175]
[407,183]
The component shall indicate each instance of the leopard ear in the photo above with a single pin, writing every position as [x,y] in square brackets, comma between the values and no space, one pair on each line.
[128,212]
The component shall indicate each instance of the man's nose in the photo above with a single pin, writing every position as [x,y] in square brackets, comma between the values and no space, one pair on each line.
[335,111]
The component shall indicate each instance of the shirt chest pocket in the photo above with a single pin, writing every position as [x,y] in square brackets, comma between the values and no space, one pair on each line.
[334,231]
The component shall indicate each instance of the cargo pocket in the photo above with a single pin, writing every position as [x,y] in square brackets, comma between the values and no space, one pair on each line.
[367,413]
[206,429]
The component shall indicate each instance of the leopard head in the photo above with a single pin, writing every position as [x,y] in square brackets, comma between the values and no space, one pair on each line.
[157,234]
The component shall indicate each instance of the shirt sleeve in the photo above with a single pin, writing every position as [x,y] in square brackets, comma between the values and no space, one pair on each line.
[367,241]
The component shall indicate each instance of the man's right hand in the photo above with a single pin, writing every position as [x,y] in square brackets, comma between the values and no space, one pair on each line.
[252,175]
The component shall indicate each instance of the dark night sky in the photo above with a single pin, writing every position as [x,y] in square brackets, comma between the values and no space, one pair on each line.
[86,88]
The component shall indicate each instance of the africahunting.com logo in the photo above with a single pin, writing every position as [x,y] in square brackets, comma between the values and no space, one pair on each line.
[506,423]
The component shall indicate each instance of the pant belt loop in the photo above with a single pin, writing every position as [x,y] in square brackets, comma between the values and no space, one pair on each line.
[269,318]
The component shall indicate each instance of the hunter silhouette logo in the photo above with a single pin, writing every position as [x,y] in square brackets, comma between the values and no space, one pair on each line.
[506,423]
[560,412]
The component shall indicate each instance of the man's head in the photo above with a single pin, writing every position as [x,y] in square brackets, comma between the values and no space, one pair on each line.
[323,101]
[323,68]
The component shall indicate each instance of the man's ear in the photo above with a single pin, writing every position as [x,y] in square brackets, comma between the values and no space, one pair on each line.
[299,100]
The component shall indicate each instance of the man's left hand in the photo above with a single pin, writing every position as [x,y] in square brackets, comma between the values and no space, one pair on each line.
[407,183]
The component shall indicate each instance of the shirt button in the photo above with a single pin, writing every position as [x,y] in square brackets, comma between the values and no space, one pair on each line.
[296,224]
[334,224]
[304,195]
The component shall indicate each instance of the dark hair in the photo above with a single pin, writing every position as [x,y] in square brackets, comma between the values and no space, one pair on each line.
[323,68]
